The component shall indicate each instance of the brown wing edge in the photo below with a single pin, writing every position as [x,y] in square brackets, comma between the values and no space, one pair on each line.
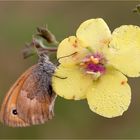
[11,97]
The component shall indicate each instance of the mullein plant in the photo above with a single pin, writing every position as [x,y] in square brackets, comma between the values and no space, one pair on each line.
[96,64]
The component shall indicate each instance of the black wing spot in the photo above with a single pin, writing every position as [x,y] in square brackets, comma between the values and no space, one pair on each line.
[14,112]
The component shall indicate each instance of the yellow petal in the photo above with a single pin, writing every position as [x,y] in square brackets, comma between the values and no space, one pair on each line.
[111,95]
[74,86]
[95,33]
[125,50]
[70,51]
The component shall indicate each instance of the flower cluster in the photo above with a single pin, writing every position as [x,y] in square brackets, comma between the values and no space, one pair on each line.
[95,63]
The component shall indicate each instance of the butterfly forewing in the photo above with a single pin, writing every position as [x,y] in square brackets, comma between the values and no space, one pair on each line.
[9,104]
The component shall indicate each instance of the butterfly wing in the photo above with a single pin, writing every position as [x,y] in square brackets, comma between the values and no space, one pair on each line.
[28,101]
[36,100]
[9,104]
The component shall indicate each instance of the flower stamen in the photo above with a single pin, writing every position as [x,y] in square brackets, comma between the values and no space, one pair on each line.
[94,60]
[93,64]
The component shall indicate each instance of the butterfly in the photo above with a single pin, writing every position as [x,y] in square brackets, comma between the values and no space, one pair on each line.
[31,99]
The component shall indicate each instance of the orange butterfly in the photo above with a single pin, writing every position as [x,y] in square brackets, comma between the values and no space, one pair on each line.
[31,99]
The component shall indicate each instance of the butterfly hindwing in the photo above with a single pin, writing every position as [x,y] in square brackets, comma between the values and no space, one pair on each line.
[34,103]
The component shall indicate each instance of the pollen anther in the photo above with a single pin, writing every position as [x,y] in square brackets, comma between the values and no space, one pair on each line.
[93,64]
[94,60]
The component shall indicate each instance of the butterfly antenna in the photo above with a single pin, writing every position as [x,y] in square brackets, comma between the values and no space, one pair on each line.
[56,76]
[66,56]
[60,77]
[57,63]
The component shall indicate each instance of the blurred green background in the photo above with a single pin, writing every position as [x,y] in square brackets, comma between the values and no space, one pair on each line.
[73,119]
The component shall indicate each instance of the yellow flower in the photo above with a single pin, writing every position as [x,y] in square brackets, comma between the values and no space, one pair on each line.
[95,63]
